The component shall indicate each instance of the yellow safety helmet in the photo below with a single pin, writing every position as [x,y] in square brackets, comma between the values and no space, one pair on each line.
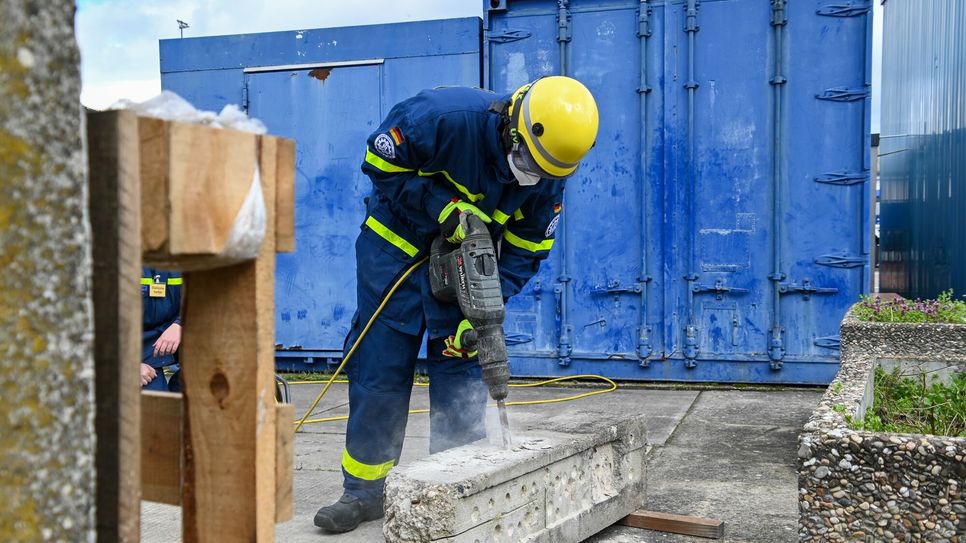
[553,123]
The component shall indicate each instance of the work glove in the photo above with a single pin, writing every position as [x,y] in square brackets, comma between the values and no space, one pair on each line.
[456,346]
[449,220]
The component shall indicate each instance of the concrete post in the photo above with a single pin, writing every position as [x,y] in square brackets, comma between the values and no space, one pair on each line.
[46,364]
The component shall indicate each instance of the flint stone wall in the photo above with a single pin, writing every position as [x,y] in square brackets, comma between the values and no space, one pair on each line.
[46,364]
[865,486]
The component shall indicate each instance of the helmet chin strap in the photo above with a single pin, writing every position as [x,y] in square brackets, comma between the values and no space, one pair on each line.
[525,179]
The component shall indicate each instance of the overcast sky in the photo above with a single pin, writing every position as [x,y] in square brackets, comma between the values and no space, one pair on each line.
[119,38]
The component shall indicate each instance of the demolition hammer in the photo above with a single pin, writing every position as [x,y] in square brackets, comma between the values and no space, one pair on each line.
[467,274]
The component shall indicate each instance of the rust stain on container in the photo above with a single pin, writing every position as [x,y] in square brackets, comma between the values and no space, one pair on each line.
[320,73]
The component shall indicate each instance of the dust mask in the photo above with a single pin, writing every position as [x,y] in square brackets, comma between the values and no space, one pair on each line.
[525,179]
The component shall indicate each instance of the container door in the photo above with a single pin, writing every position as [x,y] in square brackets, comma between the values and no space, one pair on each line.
[329,112]
[717,232]
[766,186]
[592,300]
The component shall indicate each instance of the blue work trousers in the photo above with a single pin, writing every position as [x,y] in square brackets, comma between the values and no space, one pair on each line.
[381,374]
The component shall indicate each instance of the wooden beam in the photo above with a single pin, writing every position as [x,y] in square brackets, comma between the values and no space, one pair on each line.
[112,147]
[161,443]
[284,462]
[228,361]
[675,524]
[285,196]
[194,181]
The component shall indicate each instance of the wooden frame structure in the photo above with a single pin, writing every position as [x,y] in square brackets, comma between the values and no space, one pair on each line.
[173,193]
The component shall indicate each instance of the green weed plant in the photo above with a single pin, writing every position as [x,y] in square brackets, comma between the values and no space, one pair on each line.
[944,309]
[912,405]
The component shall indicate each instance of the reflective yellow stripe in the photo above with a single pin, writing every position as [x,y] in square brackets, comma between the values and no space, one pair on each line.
[518,215]
[517,241]
[391,236]
[500,216]
[366,472]
[382,165]
[466,192]
[171,281]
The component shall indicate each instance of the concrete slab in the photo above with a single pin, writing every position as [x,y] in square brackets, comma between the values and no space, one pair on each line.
[566,479]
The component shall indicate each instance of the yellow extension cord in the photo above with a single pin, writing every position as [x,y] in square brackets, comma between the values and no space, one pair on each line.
[305,418]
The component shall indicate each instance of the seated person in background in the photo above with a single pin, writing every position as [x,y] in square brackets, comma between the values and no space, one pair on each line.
[161,336]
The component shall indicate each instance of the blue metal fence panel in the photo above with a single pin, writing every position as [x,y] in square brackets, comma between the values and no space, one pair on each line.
[327,89]
[923,148]
[716,232]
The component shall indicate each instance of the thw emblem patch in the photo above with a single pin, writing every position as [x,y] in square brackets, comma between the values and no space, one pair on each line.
[384,146]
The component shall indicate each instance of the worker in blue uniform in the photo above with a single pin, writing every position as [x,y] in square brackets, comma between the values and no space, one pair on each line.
[161,328]
[436,155]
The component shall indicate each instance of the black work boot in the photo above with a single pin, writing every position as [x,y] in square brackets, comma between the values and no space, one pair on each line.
[346,514]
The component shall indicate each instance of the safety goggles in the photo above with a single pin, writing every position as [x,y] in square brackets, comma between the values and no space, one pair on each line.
[523,161]
[520,154]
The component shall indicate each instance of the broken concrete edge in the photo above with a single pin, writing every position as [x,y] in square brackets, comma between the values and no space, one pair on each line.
[855,484]
[481,492]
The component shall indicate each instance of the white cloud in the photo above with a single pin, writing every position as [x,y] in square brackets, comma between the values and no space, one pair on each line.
[119,38]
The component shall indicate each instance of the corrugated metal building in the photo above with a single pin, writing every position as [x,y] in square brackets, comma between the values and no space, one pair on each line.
[923,148]
[717,232]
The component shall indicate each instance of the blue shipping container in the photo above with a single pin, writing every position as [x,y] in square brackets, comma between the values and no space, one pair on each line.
[716,232]
[923,148]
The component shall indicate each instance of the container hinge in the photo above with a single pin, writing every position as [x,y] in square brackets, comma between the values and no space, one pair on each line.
[691,16]
[244,100]
[845,9]
[776,347]
[842,261]
[690,346]
[778,17]
[644,20]
[843,178]
[644,348]
[807,289]
[509,36]
[843,94]
[536,289]
[564,347]
[719,289]
[496,5]
[517,339]
[829,342]
[563,21]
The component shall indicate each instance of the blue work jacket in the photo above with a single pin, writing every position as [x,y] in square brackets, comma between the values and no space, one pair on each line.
[159,313]
[432,149]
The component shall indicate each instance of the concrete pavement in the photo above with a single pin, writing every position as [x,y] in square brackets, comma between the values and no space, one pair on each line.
[726,454]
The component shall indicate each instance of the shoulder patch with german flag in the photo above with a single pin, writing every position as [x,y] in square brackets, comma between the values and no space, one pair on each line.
[396,134]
